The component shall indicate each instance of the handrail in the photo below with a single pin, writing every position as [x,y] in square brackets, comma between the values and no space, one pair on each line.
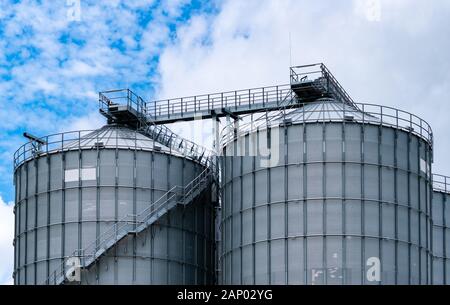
[108,97]
[341,89]
[294,77]
[100,240]
[265,118]
[332,84]
[74,140]
[441,183]
[218,100]
[160,133]
[368,114]
[130,222]
[164,135]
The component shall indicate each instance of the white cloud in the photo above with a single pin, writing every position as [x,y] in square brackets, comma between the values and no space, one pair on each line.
[400,61]
[59,60]
[91,121]
[79,68]
[52,68]
[6,239]
[41,84]
[172,7]
[369,9]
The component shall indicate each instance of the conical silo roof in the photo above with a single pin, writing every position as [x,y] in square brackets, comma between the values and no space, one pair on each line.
[321,110]
[112,136]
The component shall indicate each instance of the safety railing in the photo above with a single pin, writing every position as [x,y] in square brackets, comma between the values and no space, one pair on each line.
[165,136]
[89,139]
[133,223]
[441,183]
[116,232]
[111,97]
[160,133]
[319,72]
[316,112]
[93,139]
[250,98]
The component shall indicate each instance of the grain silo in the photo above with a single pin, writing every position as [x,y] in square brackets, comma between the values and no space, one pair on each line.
[131,209]
[303,186]
[441,230]
[323,193]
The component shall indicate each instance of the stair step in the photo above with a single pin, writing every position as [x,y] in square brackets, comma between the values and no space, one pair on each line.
[152,218]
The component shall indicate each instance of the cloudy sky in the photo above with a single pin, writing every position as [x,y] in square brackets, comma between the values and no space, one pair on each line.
[56,55]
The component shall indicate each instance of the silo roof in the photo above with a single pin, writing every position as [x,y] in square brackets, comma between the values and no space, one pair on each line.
[109,136]
[324,110]
[112,136]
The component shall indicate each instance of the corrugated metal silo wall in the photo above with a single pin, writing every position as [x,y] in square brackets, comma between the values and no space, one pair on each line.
[441,238]
[55,216]
[340,196]
[177,250]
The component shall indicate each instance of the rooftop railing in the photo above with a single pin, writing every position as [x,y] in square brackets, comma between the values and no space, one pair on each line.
[136,116]
[300,74]
[441,183]
[85,139]
[316,112]
[133,101]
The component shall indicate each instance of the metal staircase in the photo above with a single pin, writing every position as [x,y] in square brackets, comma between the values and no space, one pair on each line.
[134,224]
[125,107]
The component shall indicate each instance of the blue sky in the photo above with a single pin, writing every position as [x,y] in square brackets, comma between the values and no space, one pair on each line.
[55,56]
[52,65]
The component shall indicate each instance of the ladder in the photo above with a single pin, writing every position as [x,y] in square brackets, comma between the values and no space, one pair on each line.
[134,224]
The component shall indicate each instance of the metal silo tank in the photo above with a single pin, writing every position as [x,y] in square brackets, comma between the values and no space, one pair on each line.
[441,230]
[351,186]
[80,184]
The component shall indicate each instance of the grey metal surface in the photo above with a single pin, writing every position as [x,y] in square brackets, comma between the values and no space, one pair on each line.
[338,194]
[134,224]
[66,198]
[441,230]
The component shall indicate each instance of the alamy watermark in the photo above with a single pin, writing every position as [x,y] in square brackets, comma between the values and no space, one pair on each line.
[73,269]
[264,144]
[372,271]
[73,10]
